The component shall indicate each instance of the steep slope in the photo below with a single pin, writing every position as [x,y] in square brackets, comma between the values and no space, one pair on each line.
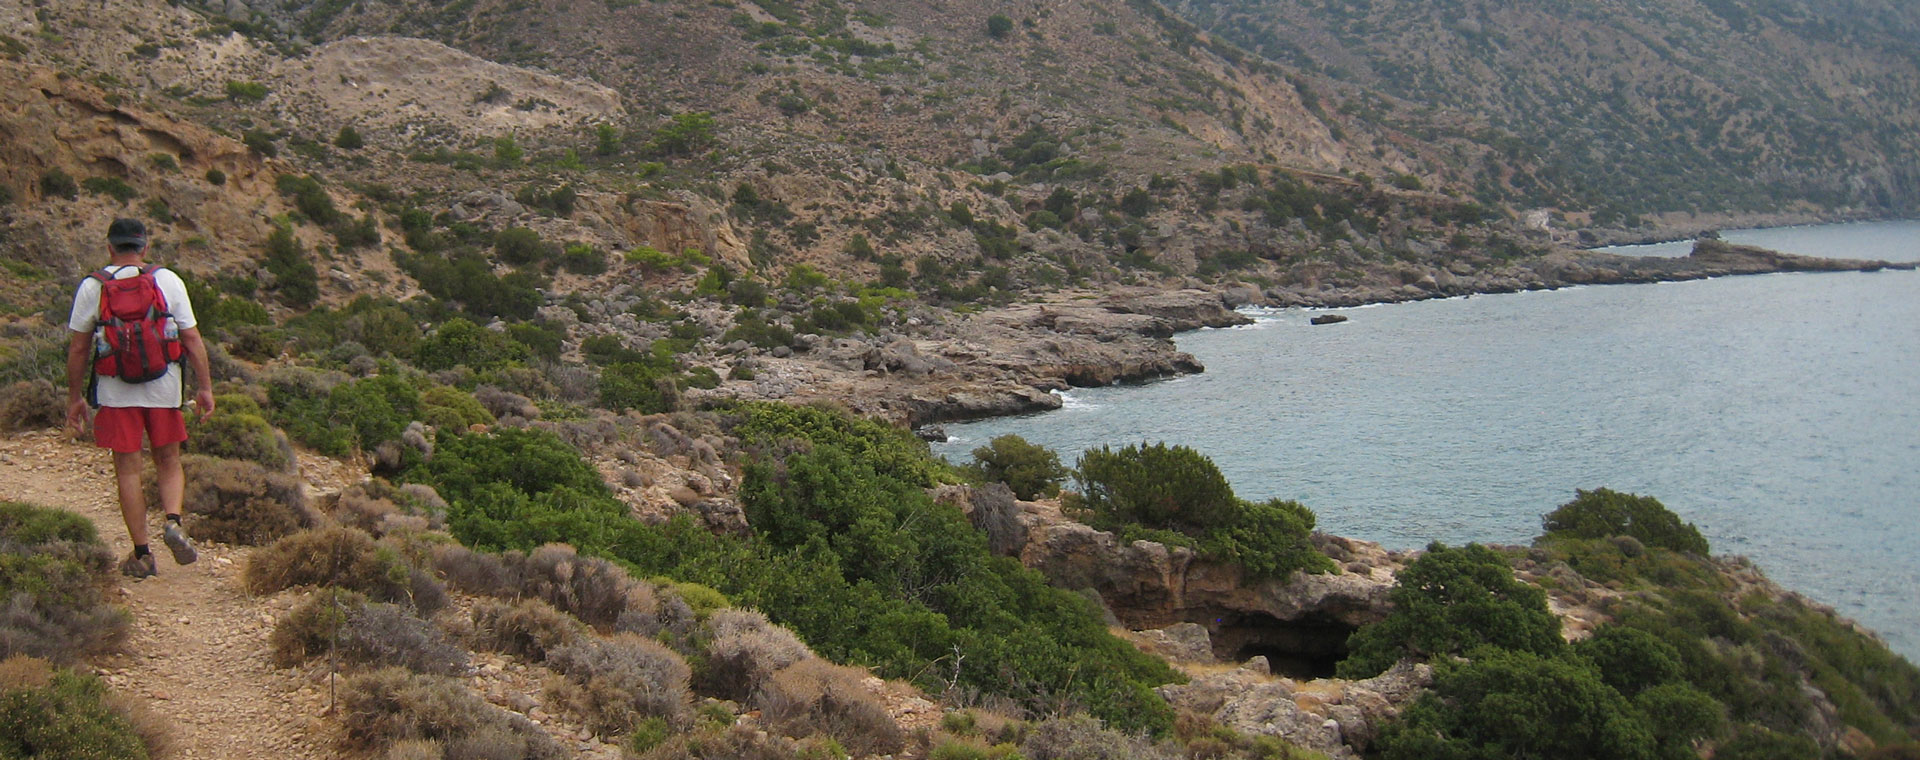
[1678,105]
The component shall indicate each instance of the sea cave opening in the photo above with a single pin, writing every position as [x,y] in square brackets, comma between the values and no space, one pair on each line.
[1304,648]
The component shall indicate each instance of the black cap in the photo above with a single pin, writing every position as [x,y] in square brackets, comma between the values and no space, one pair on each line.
[127,232]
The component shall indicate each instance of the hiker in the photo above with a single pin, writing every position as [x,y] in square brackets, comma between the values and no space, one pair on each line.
[123,358]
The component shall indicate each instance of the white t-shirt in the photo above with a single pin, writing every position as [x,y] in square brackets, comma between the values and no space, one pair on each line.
[162,393]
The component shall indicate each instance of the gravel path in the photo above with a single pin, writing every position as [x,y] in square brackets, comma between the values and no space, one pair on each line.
[198,651]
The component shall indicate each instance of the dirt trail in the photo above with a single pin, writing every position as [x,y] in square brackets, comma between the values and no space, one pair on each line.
[198,651]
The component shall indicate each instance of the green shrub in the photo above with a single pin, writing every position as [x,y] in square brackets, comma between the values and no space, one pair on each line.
[1604,512]
[60,713]
[55,183]
[999,26]
[216,177]
[239,433]
[1753,742]
[856,556]
[295,279]
[459,342]
[247,92]
[1525,704]
[1158,486]
[113,187]
[1174,494]
[519,245]
[1452,602]
[349,139]
[449,408]
[645,387]
[259,142]
[1030,470]
[52,569]
[1631,660]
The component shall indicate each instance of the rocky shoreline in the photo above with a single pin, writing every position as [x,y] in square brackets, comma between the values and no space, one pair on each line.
[1011,360]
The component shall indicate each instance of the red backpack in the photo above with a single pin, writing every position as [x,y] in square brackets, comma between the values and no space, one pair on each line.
[134,323]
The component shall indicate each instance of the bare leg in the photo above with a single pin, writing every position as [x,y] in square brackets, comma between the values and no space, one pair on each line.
[133,503]
[172,480]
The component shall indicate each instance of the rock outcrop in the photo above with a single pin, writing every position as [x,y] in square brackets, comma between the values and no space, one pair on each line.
[1338,718]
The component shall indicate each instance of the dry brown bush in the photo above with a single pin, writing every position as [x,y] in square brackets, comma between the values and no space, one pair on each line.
[415,749]
[31,405]
[502,404]
[239,502]
[1079,736]
[818,697]
[620,680]
[385,707]
[479,573]
[363,633]
[528,628]
[743,651]
[344,557]
[591,588]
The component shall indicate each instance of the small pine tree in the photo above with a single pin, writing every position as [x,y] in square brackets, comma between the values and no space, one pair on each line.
[1029,469]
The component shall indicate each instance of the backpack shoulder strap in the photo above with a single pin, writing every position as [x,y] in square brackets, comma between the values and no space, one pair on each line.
[159,296]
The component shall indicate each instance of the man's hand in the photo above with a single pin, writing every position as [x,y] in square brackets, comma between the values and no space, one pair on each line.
[77,417]
[203,403]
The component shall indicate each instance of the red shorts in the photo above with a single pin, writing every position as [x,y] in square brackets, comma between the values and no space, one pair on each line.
[119,427]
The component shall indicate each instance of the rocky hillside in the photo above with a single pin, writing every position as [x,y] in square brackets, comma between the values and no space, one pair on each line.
[1629,108]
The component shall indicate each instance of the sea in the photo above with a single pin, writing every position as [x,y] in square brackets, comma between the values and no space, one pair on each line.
[1779,413]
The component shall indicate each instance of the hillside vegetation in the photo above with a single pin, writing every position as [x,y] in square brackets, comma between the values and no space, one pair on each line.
[1627,108]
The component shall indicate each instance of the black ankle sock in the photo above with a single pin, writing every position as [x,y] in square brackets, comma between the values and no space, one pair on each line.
[175,519]
[141,550]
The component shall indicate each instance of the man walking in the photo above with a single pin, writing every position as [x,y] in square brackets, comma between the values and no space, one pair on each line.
[128,368]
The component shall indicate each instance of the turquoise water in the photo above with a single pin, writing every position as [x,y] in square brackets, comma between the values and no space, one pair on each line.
[1780,413]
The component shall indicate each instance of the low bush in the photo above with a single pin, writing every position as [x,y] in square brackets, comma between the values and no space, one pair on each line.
[1603,512]
[731,743]
[386,707]
[618,682]
[744,650]
[478,573]
[363,633]
[31,405]
[818,697]
[1075,737]
[344,557]
[449,408]
[1451,602]
[527,628]
[239,431]
[1568,713]
[240,502]
[52,571]
[591,588]
[1173,494]
[1030,470]
[48,712]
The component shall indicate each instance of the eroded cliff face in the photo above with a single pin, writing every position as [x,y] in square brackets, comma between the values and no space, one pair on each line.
[53,125]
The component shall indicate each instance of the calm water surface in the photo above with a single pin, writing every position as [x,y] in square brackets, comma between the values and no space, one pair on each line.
[1780,413]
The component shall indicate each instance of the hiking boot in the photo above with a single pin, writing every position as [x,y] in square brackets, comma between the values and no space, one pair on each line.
[137,567]
[183,551]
